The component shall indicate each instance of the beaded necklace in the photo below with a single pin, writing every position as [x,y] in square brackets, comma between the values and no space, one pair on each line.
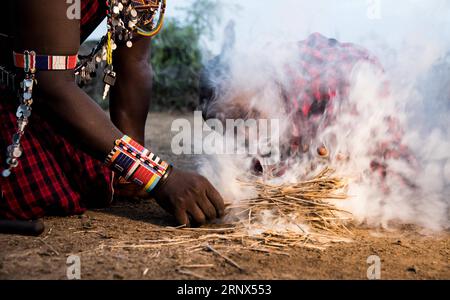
[124,19]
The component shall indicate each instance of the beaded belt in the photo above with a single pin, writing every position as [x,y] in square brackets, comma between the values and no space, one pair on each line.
[8,78]
[45,62]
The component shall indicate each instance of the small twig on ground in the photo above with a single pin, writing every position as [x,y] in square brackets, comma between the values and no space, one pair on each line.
[179,227]
[197,266]
[49,246]
[190,273]
[227,259]
[86,231]
[48,233]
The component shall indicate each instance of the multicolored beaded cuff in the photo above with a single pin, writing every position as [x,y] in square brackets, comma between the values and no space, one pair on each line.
[136,164]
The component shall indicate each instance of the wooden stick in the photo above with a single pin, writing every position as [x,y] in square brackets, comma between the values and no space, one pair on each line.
[190,273]
[227,259]
[49,246]
[197,266]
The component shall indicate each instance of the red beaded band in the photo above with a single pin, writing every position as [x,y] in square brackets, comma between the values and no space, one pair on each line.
[44,62]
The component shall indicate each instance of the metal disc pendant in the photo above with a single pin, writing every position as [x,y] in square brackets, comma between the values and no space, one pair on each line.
[6,172]
[23,111]
[14,162]
[17,152]
[26,95]
[28,83]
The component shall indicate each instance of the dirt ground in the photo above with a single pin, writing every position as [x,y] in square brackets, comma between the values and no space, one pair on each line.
[404,254]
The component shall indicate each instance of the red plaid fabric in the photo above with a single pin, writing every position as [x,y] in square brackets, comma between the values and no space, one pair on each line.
[54,177]
[321,77]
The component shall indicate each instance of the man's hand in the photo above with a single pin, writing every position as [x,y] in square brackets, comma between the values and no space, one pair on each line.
[190,198]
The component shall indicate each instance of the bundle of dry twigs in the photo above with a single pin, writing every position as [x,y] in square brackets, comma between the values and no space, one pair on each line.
[279,217]
[304,203]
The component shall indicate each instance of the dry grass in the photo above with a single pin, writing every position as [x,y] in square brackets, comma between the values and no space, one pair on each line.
[279,217]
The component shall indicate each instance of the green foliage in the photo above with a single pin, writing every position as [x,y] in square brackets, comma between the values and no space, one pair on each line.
[177,56]
[203,16]
[176,61]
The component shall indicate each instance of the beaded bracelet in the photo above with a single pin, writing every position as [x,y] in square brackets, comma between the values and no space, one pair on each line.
[163,180]
[136,164]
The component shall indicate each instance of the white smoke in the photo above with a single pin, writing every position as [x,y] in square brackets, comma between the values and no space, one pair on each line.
[412,41]
[381,201]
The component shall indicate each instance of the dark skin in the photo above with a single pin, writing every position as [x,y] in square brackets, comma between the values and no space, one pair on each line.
[42,26]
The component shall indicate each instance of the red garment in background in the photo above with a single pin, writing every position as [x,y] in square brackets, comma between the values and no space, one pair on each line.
[320,79]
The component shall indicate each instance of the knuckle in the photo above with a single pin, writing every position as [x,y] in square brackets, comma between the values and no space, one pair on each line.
[201,219]
[196,186]
[212,214]
[200,185]
[220,212]
[182,203]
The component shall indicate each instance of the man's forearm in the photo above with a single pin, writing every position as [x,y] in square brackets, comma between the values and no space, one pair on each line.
[130,99]
[79,116]
[130,96]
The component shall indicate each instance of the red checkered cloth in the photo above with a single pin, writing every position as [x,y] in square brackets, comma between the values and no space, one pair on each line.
[54,177]
[321,77]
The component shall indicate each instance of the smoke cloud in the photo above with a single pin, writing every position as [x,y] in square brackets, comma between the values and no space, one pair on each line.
[411,40]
